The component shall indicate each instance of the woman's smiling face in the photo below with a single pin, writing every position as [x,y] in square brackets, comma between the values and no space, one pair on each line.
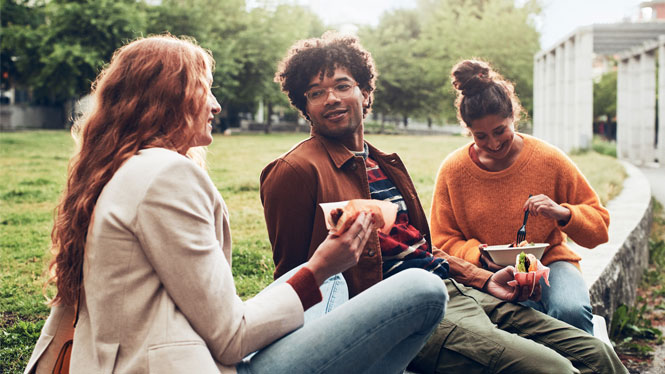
[493,135]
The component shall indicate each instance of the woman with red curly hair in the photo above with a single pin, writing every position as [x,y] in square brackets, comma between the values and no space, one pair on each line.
[142,249]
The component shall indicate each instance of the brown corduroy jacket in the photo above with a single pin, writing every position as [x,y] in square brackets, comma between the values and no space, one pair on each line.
[320,170]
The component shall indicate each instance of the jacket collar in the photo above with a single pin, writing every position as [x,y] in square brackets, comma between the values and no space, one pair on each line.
[339,154]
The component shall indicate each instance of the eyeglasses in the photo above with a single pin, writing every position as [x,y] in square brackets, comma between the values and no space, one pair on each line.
[318,95]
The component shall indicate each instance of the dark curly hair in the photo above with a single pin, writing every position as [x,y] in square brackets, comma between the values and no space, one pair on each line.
[309,57]
[482,91]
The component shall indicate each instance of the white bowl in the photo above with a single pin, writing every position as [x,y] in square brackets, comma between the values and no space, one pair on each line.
[505,255]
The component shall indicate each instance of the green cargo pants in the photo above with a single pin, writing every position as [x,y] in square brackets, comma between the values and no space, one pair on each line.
[483,334]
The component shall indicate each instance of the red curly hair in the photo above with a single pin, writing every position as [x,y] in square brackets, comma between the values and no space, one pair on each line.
[149,95]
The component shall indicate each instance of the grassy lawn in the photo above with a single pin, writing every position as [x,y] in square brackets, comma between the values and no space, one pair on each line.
[33,169]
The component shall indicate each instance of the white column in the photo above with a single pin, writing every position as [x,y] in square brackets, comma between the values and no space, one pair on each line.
[549,99]
[623,142]
[559,94]
[540,129]
[632,109]
[568,125]
[536,121]
[647,107]
[660,150]
[583,88]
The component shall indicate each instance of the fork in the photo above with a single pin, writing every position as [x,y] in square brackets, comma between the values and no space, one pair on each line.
[521,233]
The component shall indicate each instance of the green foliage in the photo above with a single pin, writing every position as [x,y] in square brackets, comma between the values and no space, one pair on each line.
[56,48]
[265,40]
[16,14]
[405,87]
[604,147]
[60,56]
[416,49]
[629,324]
[603,172]
[657,253]
[605,96]
[215,25]
[17,339]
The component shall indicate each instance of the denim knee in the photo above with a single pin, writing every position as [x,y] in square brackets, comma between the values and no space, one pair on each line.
[424,289]
[575,314]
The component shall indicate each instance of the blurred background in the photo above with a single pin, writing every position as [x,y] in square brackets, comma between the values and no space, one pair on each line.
[52,50]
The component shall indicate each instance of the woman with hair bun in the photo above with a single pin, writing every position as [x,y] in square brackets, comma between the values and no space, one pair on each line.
[483,189]
[142,248]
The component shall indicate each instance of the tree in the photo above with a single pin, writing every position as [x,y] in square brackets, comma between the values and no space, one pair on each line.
[605,96]
[16,16]
[405,86]
[215,25]
[269,33]
[59,58]
[493,30]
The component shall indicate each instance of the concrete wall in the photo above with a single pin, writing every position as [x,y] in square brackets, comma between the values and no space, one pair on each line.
[19,117]
[613,270]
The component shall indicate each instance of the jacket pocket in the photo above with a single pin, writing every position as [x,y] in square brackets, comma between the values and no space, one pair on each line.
[181,357]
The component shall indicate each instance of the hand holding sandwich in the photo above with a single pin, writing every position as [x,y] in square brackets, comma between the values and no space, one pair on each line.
[337,253]
[498,286]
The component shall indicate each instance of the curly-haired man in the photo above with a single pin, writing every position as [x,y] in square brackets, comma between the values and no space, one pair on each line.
[331,81]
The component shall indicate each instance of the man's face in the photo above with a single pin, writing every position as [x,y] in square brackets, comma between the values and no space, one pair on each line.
[336,117]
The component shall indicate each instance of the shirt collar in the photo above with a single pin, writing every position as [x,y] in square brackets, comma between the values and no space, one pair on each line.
[365,153]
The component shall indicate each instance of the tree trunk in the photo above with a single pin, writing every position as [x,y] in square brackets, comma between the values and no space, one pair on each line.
[268,127]
[383,123]
[429,123]
[406,121]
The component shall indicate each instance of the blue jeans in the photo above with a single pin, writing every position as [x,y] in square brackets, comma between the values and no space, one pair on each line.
[378,331]
[567,299]
[334,290]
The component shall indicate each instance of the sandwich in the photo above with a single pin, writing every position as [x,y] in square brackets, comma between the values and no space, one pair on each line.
[342,218]
[526,262]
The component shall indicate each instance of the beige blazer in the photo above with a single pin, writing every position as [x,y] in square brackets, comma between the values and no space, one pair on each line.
[158,292]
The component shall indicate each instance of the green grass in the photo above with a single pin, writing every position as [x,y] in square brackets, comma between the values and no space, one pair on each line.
[33,168]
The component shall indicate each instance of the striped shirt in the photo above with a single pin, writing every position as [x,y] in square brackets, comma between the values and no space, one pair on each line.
[404,247]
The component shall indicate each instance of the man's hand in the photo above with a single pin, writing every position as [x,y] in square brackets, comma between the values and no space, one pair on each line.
[486,260]
[498,286]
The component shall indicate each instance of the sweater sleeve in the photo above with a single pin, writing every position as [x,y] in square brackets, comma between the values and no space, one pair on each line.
[463,271]
[446,233]
[304,284]
[589,220]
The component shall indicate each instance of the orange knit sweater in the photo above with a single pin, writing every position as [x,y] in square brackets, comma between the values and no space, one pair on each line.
[471,206]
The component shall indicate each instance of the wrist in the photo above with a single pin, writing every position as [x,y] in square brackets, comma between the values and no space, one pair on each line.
[564,218]
[316,271]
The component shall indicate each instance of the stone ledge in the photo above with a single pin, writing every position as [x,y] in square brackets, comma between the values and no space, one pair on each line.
[613,270]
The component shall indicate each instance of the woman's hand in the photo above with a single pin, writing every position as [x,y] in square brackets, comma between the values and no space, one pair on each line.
[498,286]
[338,253]
[486,260]
[542,204]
